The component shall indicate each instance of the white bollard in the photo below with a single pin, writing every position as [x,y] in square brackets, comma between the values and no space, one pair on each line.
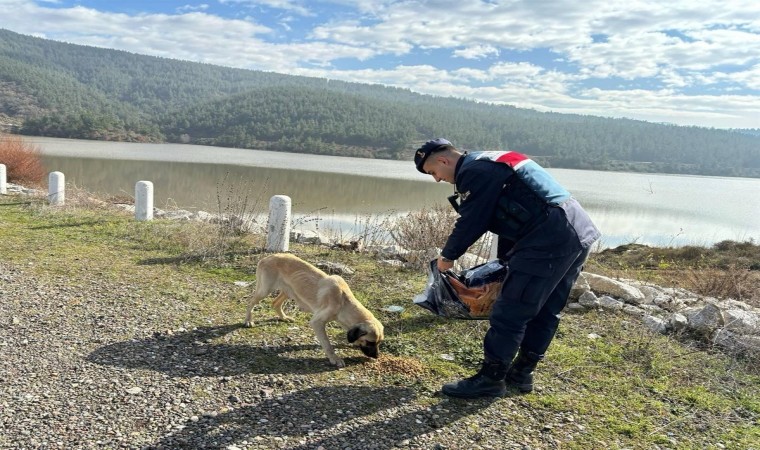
[278,225]
[56,189]
[144,200]
[3,185]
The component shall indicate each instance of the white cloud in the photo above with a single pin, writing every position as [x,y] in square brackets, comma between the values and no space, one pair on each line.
[476,52]
[188,8]
[287,5]
[707,49]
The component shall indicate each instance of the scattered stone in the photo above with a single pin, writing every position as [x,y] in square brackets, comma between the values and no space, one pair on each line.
[650,292]
[610,303]
[391,263]
[589,300]
[614,288]
[633,310]
[655,324]
[704,320]
[678,322]
[741,321]
[579,287]
[335,268]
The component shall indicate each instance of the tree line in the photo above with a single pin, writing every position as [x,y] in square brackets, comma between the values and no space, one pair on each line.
[65,90]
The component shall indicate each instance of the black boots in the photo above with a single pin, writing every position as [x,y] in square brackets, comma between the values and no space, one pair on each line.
[520,374]
[493,378]
[488,382]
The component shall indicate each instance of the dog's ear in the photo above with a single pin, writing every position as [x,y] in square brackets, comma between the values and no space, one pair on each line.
[355,333]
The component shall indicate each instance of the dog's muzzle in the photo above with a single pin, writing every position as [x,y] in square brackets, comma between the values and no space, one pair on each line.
[370,350]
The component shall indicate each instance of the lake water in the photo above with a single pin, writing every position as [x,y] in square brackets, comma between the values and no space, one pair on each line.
[653,209]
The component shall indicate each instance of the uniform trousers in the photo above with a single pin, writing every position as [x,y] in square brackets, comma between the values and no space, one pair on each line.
[526,315]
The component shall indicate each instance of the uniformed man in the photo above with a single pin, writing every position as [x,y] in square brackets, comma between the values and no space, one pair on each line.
[548,237]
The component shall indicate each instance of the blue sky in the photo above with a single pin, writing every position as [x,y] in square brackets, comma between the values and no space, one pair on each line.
[680,62]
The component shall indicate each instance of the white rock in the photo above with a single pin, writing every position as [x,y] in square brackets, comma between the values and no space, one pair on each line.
[610,303]
[678,322]
[392,251]
[311,237]
[203,216]
[655,324]
[633,310]
[650,292]
[575,307]
[391,263]
[179,214]
[705,319]
[690,301]
[335,268]
[125,207]
[614,288]
[654,309]
[736,343]
[421,257]
[676,305]
[588,299]
[741,321]
[678,292]
[733,304]
[579,287]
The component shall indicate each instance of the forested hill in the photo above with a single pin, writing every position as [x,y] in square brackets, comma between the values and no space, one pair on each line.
[56,89]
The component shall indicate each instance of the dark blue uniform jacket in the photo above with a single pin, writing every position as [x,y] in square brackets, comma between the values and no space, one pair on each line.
[557,228]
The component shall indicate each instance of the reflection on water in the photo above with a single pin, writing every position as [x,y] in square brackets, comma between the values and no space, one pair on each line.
[658,209]
[650,209]
[195,186]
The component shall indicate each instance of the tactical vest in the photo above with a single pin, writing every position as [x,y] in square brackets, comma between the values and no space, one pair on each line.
[526,195]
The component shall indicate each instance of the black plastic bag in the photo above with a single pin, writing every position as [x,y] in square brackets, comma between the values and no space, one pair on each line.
[469,295]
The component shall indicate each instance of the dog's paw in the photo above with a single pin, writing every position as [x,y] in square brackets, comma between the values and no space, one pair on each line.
[337,362]
[248,324]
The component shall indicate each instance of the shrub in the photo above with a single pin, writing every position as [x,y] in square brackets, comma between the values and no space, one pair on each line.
[734,282]
[23,161]
[424,229]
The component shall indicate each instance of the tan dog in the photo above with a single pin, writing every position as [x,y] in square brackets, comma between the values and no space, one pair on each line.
[327,297]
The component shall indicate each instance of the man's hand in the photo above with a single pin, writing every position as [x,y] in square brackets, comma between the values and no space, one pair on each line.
[444,264]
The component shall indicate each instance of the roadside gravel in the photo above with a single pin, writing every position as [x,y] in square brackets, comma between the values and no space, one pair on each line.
[90,363]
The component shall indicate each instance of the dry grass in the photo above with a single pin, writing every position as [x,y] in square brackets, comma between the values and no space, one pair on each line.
[733,282]
[424,229]
[728,269]
[22,161]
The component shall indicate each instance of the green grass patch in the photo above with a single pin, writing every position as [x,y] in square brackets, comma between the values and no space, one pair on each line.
[606,382]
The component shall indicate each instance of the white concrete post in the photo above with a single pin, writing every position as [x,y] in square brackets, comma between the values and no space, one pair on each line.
[278,225]
[56,189]
[3,186]
[144,200]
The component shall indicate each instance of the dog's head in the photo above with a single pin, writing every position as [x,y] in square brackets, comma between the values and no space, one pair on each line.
[367,335]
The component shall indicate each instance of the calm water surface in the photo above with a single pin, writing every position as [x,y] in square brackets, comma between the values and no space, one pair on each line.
[628,207]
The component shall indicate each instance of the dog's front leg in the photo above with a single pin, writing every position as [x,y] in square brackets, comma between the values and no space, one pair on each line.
[318,324]
[257,297]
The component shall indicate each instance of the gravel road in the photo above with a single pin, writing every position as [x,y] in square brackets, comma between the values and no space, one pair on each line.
[88,363]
